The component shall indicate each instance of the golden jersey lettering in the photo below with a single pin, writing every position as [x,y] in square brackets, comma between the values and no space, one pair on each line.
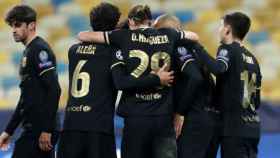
[81,108]
[148,97]
[248,59]
[249,89]
[144,62]
[85,79]
[160,58]
[89,49]
[248,119]
[152,40]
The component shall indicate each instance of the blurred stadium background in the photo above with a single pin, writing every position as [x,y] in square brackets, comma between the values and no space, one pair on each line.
[60,20]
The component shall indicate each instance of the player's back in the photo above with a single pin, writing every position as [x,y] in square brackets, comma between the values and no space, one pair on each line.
[236,89]
[145,50]
[201,106]
[91,92]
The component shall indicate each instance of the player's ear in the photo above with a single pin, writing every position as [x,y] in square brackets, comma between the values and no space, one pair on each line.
[32,26]
[227,29]
[154,23]
[131,23]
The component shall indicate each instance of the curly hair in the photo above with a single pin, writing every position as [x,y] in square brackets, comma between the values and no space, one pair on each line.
[104,17]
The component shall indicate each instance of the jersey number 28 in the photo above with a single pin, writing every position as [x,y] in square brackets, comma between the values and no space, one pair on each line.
[144,61]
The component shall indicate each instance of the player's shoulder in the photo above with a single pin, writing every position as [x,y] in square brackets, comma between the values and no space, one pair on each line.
[40,44]
[119,31]
[74,46]
[170,31]
[250,54]
[226,49]
[39,47]
[185,54]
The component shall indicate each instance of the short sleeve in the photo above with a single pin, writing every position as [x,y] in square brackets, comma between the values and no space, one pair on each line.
[43,61]
[223,55]
[116,37]
[184,57]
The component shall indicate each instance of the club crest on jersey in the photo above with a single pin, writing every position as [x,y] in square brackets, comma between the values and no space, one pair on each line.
[23,61]
[43,56]
[119,55]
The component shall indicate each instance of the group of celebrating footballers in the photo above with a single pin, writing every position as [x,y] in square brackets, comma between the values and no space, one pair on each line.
[177,100]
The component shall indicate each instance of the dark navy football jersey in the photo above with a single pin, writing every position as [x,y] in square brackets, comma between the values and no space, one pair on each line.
[92,95]
[238,90]
[194,86]
[40,90]
[142,51]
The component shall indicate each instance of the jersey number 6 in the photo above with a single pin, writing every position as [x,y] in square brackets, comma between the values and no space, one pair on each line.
[85,81]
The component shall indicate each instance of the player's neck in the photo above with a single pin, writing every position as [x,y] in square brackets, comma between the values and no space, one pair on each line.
[143,26]
[228,40]
[239,41]
[231,39]
[140,26]
[29,39]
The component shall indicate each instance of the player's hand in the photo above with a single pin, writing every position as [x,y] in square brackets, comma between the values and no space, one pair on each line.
[191,36]
[45,141]
[166,77]
[4,141]
[178,124]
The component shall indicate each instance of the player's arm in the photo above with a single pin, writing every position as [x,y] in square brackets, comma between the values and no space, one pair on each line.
[185,62]
[108,37]
[123,80]
[258,89]
[92,36]
[15,119]
[195,79]
[218,65]
[45,66]
[190,71]
[189,35]
[113,37]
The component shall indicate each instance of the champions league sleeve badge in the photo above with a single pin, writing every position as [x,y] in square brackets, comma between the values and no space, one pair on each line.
[43,56]
[184,54]
[119,55]
[44,59]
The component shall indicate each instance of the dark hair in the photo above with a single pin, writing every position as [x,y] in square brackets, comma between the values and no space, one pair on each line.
[140,13]
[21,13]
[123,24]
[104,17]
[239,22]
